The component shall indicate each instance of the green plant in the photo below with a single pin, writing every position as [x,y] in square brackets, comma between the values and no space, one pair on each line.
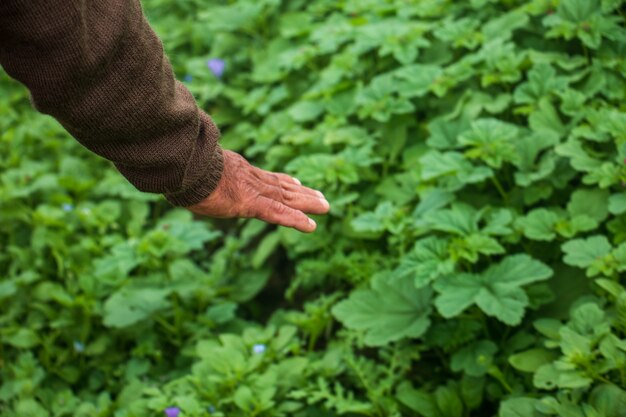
[473,262]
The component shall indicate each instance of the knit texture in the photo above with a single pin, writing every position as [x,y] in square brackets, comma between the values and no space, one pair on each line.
[99,69]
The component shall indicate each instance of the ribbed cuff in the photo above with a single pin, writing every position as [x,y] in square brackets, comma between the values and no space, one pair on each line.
[201,189]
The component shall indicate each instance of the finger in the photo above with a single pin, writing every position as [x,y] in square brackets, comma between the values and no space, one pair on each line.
[311,204]
[287,183]
[288,179]
[272,211]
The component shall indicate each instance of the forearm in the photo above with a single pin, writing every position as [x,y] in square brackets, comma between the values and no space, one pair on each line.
[99,69]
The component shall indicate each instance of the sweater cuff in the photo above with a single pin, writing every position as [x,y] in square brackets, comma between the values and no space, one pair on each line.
[204,186]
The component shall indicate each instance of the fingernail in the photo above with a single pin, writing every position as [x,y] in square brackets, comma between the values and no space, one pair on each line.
[325,203]
[319,193]
[312,222]
[297,181]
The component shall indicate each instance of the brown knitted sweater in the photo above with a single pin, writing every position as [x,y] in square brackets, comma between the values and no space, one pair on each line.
[99,69]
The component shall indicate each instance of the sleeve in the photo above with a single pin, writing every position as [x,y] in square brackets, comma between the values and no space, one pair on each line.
[98,68]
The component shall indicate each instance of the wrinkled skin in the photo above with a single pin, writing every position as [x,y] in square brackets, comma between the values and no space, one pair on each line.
[247,191]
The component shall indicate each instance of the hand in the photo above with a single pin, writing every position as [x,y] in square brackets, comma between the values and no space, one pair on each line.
[247,191]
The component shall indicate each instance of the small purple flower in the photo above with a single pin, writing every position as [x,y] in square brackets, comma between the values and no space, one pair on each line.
[188,78]
[79,347]
[172,411]
[217,66]
[259,348]
[67,207]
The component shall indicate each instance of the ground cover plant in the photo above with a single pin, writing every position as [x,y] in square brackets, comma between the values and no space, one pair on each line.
[473,262]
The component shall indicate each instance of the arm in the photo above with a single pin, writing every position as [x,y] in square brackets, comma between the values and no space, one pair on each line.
[99,69]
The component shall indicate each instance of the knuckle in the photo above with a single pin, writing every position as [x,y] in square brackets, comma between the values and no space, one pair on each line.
[289,197]
[279,208]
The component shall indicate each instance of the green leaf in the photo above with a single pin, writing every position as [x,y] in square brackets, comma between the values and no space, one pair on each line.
[448,402]
[244,399]
[497,291]
[31,408]
[426,262]
[434,200]
[545,120]
[129,306]
[7,289]
[589,202]
[483,244]
[193,234]
[542,81]
[505,303]
[584,252]
[530,360]
[24,338]
[305,111]
[505,24]
[265,249]
[539,224]
[609,400]
[249,283]
[474,359]
[416,80]
[444,133]
[461,220]
[579,158]
[549,377]
[417,400]
[453,167]
[392,310]
[490,140]
[456,293]
[221,313]
[518,407]
[517,270]
[578,11]
[617,203]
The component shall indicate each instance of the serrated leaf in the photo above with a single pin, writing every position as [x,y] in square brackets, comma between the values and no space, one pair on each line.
[416,80]
[444,133]
[456,293]
[434,200]
[426,262]
[546,120]
[539,224]
[391,310]
[518,270]
[497,291]
[461,220]
[490,140]
[584,252]
[505,303]
[542,81]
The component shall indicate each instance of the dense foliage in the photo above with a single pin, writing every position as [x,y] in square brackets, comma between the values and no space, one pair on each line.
[473,262]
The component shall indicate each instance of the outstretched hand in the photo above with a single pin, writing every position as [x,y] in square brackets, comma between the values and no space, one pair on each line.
[247,191]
